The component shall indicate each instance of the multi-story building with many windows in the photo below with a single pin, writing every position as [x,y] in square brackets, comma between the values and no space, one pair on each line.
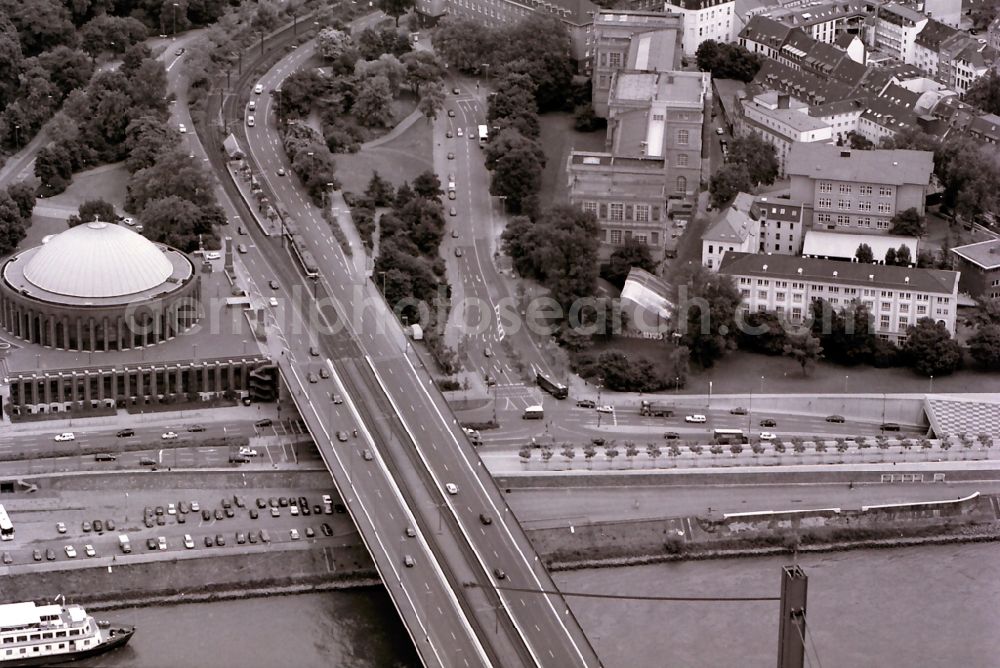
[704,19]
[623,40]
[897,296]
[980,267]
[781,121]
[753,225]
[857,191]
[896,27]
[653,153]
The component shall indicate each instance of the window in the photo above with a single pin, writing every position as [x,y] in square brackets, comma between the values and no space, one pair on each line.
[886,306]
[797,313]
[682,184]
[884,207]
[884,191]
[658,117]
[682,160]
[590,207]
[904,321]
[744,292]
[824,202]
[642,213]
[921,309]
[617,211]
[762,294]
[682,137]
[823,218]
[884,322]
[615,59]
[882,224]
[825,187]
[777,236]
[797,298]
[864,206]
[844,204]
[904,308]
[779,296]
[845,188]
[711,249]
[762,281]
[843,221]
[616,236]
[865,190]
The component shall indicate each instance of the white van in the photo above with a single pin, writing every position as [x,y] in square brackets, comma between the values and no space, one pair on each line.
[533,413]
[250,121]
[124,544]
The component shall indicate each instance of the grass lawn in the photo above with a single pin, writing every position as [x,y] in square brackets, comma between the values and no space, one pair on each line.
[401,159]
[106,182]
[741,372]
[558,138]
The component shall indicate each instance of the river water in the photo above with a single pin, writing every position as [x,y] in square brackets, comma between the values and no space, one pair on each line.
[912,607]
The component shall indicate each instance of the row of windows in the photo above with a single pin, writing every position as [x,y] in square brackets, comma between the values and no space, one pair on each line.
[48,635]
[848,188]
[24,650]
[847,205]
[619,211]
[861,221]
[837,289]
[617,237]
[885,321]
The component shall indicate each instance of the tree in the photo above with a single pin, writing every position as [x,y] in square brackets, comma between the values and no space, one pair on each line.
[727,61]
[706,308]
[379,191]
[763,332]
[173,174]
[41,24]
[890,257]
[24,196]
[848,335]
[908,223]
[930,349]
[707,54]
[984,346]
[525,454]
[373,106]
[987,311]
[146,138]
[903,257]
[432,101]
[624,373]
[731,179]
[985,92]
[864,254]
[585,120]
[757,155]
[859,142]
[54,167]
[316,169]
[386,65]
[67,68]
[465,43]
[422,68]
[589,451]
[539,46]
[395,8]
[568,452]
[107,33]
[12,225]
[334,44]
[173,221]
[632,253]
[428,185]
[94,209]
[517,171]
[805,349]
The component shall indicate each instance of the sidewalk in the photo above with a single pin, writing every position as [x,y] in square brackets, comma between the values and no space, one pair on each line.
[124,419]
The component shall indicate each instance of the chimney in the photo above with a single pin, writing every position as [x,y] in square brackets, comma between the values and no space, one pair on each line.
[782,100]
[835,274]
[871,277]
[764,268]
[906,279]
[800,271]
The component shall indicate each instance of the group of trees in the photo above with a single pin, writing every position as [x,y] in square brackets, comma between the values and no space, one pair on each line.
[985,92]
[727,61]
[984,345]
[706,313]
[311,160]
[908,223]
[751,162]
[17,201]
[367,74]
[901,256]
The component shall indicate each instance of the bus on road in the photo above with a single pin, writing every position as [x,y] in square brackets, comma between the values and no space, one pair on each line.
[730,436]
[6,526]
[557,390]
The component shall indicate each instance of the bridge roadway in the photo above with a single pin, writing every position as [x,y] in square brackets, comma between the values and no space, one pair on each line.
[451,600]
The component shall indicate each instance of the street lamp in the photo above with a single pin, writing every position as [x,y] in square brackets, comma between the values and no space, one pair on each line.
[931,388]
[17,135]
[762,384]
[709,395]
[382,274]
[175,20]
[845,383]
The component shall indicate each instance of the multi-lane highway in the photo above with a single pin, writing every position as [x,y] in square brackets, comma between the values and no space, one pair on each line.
[464,538]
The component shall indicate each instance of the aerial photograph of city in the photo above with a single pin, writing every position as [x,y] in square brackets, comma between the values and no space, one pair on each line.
[500,333]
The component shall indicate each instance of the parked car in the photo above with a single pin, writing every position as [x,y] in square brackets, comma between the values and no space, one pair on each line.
[835,418]
[768,422]
[220,540]
[161,542]
[61,527]
[310,533]
[739,410]
[671,435]
[65,436]
[50,554]
[98,526]
[294,534]
[188,541]
[150,543]
[208,541]
[697,419]
[86,526]
[326,529]
[70,551]
[89,550]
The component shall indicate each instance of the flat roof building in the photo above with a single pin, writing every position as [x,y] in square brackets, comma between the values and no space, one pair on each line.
[980,267]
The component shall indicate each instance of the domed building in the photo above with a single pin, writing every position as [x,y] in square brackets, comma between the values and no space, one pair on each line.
[97,287]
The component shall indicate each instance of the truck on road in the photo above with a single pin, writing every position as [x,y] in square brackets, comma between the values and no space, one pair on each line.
[655,409]
[533,413]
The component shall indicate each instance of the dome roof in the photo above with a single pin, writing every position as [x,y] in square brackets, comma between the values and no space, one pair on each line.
[98,260]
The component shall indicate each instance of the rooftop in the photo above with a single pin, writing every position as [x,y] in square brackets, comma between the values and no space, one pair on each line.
[655,50]
[844,245]
[938,281]
[892,167]
[985,254]
[674,88]
[734,224]
[647,291]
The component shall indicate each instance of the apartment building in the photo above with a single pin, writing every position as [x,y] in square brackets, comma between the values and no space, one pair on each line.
[781,121]
[753,225]
[857,191]
[652,154]
[895,30]
[781,226]
[897,296]
[631,40]
[704,19]
[822,21]
[979,264]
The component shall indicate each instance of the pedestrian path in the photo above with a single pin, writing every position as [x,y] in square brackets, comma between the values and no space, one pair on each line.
[124,419]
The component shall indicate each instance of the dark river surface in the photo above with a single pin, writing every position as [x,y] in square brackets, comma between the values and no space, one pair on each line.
[921,606]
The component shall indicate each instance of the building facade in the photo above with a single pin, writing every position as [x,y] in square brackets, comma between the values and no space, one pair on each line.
[781,120]
[653,153]
[979,264]
[736,230]
[895,30]
[857,191]
[704,19]
[897,297]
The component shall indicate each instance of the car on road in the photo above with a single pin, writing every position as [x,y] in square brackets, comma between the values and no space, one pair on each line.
[36,555]
[499,574]
[273,302]
[458,131]
[248,451]
[70,551]
[767,436]
[448,134]
[671,435]
[342,436]
[273,284]
[213,255]
[485,519]
[326,529]
[312,378]
[294,534]
[252,105]
[889,426]
[196,428]
[451,194]
[65,436]
[696,419]
[181,128]
[242,249]
[168,435]
[458,252]
[258,89]
[768,422]
[125,433]
[89,550]
[61,527]
[188,541]
[281,171]
[456,91]
[50,554]
[128,220]
[220,540]
[410,532]
[337,399]
[834,418]
[451,156]
[179,52]
[367,455]
[150,543]
[452,211]
[607,408]
[408,561]
[147,461]
[451,113]
[487,352]
[720,131]
[314,351]
[452,488]
[266,422]
[586,403]
[739,410]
